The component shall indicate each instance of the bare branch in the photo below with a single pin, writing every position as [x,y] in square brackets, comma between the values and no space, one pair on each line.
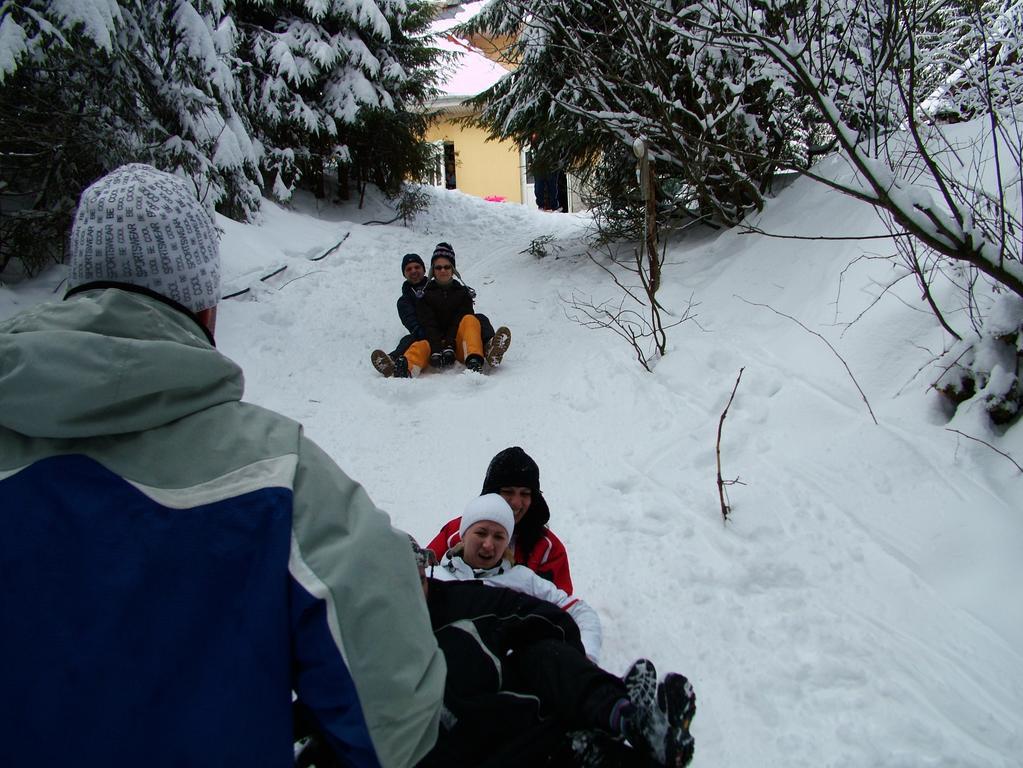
[819,336]
[747,229]
[725,508]
[1001,453]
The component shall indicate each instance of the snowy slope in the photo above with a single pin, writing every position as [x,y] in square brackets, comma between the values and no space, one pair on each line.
[860,608]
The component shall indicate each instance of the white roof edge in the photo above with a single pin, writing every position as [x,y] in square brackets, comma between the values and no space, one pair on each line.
[453,106]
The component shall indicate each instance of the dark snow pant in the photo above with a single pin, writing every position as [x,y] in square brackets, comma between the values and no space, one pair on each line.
[405,343]
[571,688]
[548,688]
[486,329]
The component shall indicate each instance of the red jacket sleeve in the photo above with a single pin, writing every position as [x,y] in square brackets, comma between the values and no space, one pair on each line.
[446,539]
[549,559]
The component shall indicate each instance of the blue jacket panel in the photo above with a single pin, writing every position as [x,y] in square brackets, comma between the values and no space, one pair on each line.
[206,596]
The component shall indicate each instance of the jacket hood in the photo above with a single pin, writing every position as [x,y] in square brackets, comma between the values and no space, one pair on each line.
[514,467]
[414,290]
[454,566]
[105,362]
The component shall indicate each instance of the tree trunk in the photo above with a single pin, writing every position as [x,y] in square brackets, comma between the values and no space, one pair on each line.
[650,196]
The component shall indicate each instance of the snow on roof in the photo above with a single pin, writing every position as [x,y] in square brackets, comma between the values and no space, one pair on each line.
[458,14]
[472,72]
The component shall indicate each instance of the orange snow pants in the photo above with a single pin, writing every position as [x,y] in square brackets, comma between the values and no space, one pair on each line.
[468,341]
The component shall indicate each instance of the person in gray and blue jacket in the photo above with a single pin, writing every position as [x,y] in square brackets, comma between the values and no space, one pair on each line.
[179,565]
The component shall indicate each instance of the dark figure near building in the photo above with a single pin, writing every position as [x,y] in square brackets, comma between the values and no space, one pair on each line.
[545,188]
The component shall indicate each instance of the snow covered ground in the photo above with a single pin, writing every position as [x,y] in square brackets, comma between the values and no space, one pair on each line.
[862,605]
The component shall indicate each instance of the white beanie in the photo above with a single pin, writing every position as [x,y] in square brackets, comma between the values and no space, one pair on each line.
[490,506]
[144,227]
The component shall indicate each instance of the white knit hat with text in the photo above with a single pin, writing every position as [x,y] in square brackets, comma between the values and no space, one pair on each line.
[144,227]
[489,506]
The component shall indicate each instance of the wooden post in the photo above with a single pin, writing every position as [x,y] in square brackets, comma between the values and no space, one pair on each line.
[645,176]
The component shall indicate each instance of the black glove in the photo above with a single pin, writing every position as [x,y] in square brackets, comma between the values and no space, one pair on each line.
[436,360]
[311,749]
[447,357]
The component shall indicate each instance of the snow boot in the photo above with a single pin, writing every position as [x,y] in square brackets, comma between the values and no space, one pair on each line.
[401,370]
[659,724]
[383,362]
[498,346]
[596,749]
[474,363]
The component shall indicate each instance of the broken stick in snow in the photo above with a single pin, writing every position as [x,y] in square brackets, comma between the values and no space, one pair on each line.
[725,509]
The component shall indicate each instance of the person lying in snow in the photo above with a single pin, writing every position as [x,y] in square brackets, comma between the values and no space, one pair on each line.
[486,527]
[514,475]
[414,271]
[453,331]
[520,691]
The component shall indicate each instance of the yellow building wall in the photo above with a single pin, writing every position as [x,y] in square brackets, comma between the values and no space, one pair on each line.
[482,168]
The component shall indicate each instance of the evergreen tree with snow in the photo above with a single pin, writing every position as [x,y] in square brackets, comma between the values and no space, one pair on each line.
[334,85]
[86,86]
[212,90]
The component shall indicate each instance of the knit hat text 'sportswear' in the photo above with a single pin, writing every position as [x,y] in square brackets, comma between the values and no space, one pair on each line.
[443,251]
[409,258]
[489,507]
[144,227]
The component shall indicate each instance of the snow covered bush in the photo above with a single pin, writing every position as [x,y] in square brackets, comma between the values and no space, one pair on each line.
[724,93]
[988,367]
[411,201]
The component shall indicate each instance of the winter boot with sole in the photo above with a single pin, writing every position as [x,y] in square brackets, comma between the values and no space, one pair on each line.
[596,749]
[663,711]
[498,346]
[401,370]
[474,363]
[382,362]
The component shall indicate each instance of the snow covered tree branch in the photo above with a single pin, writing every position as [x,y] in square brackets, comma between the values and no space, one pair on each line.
[595,73]
[725,92]
[318,78]
[89,85]
[866,68]
[236,96]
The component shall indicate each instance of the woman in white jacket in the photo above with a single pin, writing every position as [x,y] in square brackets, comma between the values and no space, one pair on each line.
[485,531]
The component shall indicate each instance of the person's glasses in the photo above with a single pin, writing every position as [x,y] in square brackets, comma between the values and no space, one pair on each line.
[442,267]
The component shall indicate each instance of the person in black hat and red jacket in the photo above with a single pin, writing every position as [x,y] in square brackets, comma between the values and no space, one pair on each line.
[516,477]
